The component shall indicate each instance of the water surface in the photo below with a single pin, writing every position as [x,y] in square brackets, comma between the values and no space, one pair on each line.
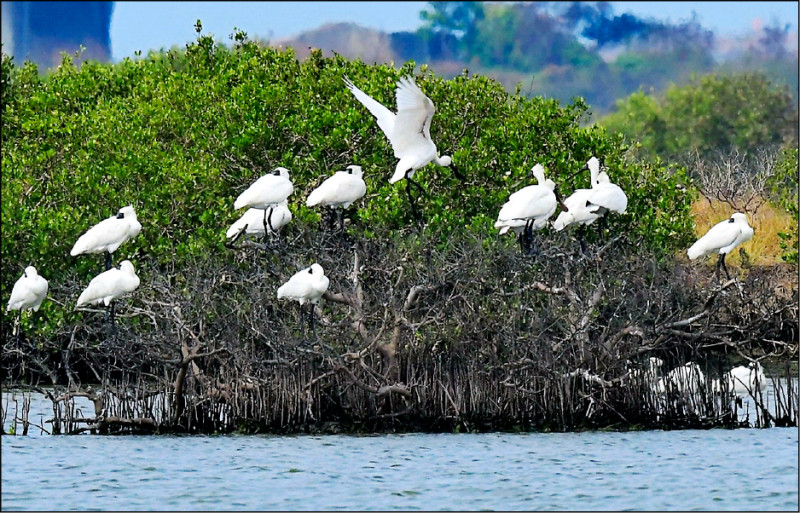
[744,469]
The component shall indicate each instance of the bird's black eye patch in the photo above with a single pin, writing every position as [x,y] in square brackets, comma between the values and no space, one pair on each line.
[277,172]
[310,271]
[731,220]
[120,215]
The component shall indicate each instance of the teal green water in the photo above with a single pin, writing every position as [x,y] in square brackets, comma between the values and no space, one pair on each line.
[745,469]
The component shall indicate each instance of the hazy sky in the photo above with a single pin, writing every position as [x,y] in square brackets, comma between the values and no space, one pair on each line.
[153,25]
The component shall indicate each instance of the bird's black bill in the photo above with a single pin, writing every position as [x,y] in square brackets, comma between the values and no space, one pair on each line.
[576,173]
[458,173]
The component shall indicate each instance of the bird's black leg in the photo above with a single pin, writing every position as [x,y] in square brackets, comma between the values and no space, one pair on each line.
[311,317]
[113,319]
[526,234]
[601,226]
[420,188]
[108,260]
[267,224]
[582,239]
[411,201]
[331,217]
[534,248]
[717,266]
[724,267]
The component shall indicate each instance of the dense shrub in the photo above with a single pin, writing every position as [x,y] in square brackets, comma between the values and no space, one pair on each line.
[713,113]
[180,134]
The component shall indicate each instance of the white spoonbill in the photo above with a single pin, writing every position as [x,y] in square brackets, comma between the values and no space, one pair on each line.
[306,286]
[744,380]
[268,191]
[339,191]
[605,194]
[29,291]
[109,286]
[579,212]
[528,209]
[107,235]
[408,131]
[722,238]
[252,222]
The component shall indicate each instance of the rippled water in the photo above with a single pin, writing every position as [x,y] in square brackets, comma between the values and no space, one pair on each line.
[743,469]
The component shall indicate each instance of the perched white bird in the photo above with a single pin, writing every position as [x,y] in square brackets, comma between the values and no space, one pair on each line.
[339,191]
[722,238]
[29,291]
[605,195]
[107,235]
[529,208]
[110,285]
[579,213]
[306,286]
[252,221]
[408,131]
[268,191]
[743,380]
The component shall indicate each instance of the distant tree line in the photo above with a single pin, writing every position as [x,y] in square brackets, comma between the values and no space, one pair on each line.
[564,45]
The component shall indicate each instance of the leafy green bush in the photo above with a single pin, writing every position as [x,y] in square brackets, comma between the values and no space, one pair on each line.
[180,134]
[712,113]
[785,192]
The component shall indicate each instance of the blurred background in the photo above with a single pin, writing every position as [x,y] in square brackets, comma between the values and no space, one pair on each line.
[601,51]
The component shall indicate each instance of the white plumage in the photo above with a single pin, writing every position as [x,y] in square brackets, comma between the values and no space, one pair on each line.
[307,285]
[605,194]
[744,380]
[252,221]
[686,379]
[110,285]
[109,234]
[268,191]
[339,190]
[29,291]
[408,131]
[722,237]
[579,213]
[534,203]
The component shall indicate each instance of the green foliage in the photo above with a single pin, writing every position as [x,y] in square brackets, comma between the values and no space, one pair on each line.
[712,113]
[455,17]
[784,188]
[179,134]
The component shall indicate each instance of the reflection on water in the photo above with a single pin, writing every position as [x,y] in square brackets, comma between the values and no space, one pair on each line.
[41,409]
[743,469]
